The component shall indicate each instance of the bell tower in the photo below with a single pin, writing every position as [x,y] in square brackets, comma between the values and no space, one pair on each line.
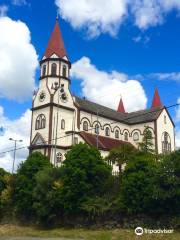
[52,102]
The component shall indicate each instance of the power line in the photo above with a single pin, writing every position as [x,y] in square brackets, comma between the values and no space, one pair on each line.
[126,118]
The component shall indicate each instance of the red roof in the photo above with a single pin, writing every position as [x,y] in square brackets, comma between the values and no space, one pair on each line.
[121,108]
[104,143]
[156,100]
[56,44]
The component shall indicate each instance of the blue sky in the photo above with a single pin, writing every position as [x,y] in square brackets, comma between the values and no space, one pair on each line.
[145,48]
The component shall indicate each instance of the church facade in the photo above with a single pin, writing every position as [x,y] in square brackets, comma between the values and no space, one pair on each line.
[60,119]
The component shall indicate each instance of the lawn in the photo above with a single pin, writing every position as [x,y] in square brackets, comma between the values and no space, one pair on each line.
[118,234]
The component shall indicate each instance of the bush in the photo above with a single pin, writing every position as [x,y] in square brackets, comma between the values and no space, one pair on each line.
[137,186]
[47,196]
[24,183]
[84,175]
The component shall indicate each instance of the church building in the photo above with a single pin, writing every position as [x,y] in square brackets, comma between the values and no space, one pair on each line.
[60,119]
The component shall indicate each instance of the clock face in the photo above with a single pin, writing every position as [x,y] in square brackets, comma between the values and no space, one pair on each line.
[64,97]
[42,96]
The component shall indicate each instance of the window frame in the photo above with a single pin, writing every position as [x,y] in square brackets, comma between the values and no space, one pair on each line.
[53,69]
[107,132]
[40,122]
[63,124]
[85,126]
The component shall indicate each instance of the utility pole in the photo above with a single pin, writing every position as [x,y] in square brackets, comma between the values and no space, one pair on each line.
[97,136]
[15,145]
[57,88]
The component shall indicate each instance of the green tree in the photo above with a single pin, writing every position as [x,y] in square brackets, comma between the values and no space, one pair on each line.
[5,192]
[24,183]
[121,155]
[2,180]
[84,175]
[137,186]
[47,196]
[167,184]
[147,145]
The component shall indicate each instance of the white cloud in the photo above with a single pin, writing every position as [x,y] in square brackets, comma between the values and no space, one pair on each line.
[102,16]
[106,16]
[105,88]
[3,10]
[19,2]
[16,129]
[175,76]
[143,39]
[18,60]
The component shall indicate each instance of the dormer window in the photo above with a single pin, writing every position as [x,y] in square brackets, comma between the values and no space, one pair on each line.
[64,71]
[44,70]
[54,69]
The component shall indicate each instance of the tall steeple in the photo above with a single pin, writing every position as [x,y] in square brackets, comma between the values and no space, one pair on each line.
[121,108]
[156,100]
[56,43]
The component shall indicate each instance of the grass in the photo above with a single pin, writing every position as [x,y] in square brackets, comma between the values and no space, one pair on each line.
[118,234]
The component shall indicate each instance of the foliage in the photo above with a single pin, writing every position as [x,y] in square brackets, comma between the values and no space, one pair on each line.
[24,183]
[147,145]
[6,193]
[137,186]
[47,195]
[2,180]
[167,184]
[121,155]
[84,190]
[84,175]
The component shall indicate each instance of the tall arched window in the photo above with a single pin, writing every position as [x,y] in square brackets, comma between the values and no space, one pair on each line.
[166,143]
[85,126]
[117,134]
[107,132]
[54,69]
[44,70]
[97,129]
[136,136]
[126,136]
[64,71]
[59,157]
[40,122]
[63,124]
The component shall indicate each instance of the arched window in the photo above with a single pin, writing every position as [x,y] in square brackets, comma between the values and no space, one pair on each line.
[85,126]
[136,136]
[54,69]
[107,132]
[64,71]
[166,143]
[116,134]
[63,124]
[126,136]
[44,70]
[59,157]
[97,129]
[40,122]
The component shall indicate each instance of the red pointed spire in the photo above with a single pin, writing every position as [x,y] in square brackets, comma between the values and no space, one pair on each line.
[156,100]
[121,108]
[56,44]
